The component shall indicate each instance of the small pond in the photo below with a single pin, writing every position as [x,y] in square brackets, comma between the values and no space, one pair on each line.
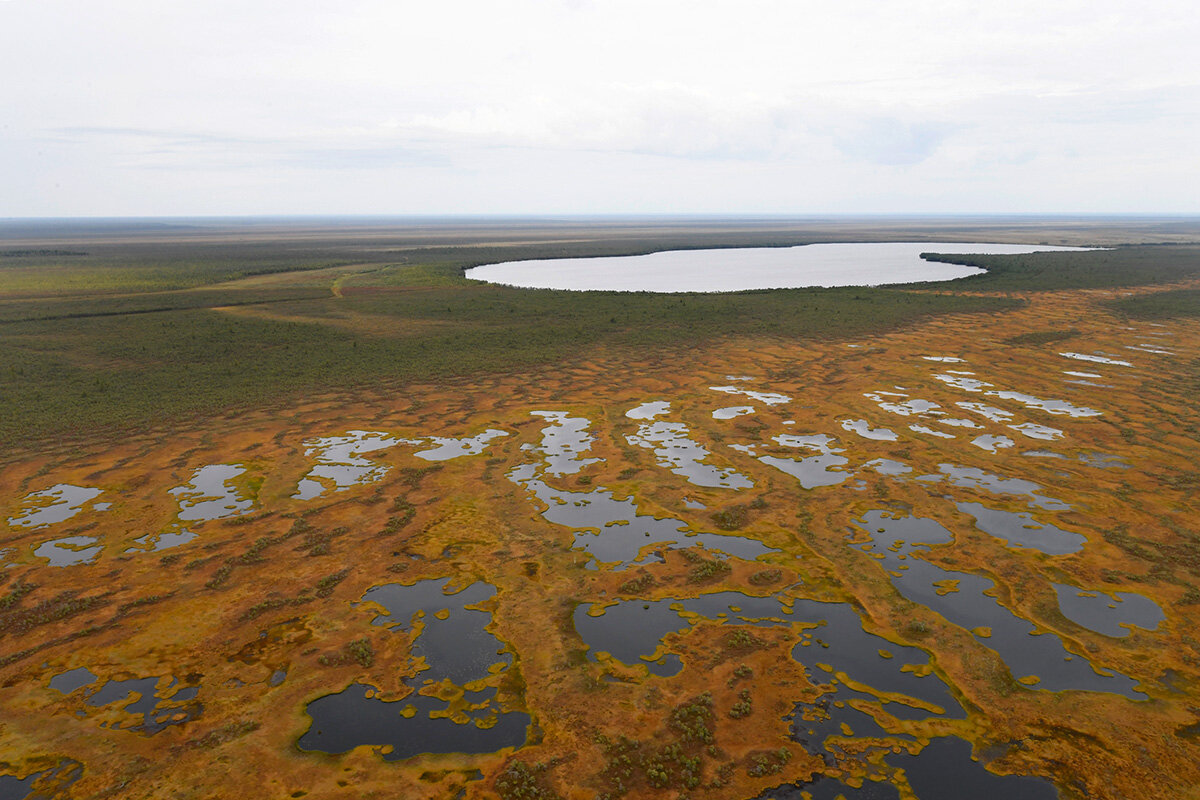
[675,449]
[56,504]
[454,649]
[613,531]
[210,495]
[1111,615]
[70,550]
[563,441]
[833,640]
[149,708]
[1020,529]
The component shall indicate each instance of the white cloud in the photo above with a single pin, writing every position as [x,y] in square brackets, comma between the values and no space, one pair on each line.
[303,106]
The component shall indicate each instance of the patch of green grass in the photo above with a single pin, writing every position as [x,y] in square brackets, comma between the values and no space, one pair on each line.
[1041,337]
[769,763]
[125,336]
[1159,305]
[95,374]
[741,639]
[1092,269]
[637,584]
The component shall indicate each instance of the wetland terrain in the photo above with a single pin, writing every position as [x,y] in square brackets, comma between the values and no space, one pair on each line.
[303,501]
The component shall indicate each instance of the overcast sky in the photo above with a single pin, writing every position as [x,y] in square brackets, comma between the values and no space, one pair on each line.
[161,107]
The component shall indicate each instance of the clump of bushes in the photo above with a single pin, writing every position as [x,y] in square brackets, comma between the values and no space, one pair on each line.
[326,585]
[734,517]
[742,639]
[694,720]
[768,763]
[519,781]
[638,584]
[359,650]
[224,734]
[707,570]
[765,577]
[743,707]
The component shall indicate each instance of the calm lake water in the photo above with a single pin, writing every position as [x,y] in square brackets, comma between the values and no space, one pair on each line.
[736,269]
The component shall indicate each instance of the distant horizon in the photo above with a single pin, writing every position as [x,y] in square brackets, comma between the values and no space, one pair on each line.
[615,215]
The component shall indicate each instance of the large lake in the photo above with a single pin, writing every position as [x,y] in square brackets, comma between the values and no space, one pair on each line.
[736,269]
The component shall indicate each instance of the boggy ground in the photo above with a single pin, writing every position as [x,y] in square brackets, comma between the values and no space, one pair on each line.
[260,611]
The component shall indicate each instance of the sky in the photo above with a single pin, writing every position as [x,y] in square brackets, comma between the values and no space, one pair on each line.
[247,107]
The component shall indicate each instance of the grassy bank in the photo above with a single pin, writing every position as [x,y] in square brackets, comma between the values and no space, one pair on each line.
[1095,269]
[1159,305]
[88,374]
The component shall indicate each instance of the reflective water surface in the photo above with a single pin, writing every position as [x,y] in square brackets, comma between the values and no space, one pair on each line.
[738,269]
[963,598]
[454,649]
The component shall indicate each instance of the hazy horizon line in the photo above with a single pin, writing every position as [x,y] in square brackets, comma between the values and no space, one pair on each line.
[614,215]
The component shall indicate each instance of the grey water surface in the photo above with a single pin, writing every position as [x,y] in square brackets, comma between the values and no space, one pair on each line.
[739,269]
[1110,615]
[963,600]
[453,645]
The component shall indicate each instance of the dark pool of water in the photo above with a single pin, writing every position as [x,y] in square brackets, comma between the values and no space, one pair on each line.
[1013,638]
[354,717]
[459,647]
[1108,615]
[1103,460]
[70,550]
[1020,529]
[812,724]
[50,783]
[631,631]
[72,679]
[455,646]
[975,478]
[14,788]
[158,708]
[841,643]
[944,770]
[826,788]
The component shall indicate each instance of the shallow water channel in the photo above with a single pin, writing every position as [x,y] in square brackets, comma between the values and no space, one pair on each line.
[613,531]
[631,631]
[961,598]
[832,644]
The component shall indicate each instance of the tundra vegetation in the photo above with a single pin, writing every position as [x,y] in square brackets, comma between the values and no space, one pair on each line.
[135,354]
